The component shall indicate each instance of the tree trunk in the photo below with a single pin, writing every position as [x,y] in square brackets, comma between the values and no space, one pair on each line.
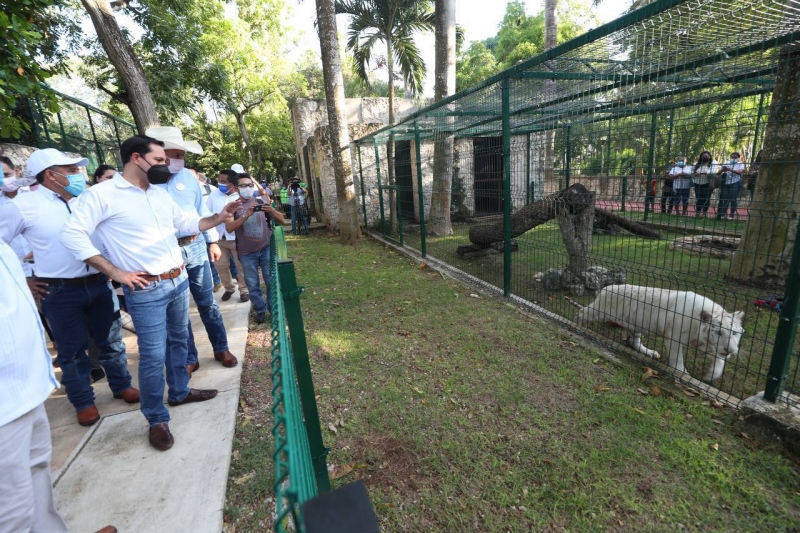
[444,85]
[769,236]
[550,41]
[254,157]
[138,96]
[574,198]
[349,229]
[390,143]
[576,231]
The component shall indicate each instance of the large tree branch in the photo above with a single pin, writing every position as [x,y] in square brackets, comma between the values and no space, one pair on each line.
[121,97]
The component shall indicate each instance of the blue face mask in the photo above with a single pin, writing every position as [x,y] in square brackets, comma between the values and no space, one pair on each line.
[222,188]
[77,184]
[734,160]
[681,163]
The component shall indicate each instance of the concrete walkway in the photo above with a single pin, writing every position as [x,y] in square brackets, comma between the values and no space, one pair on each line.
[109,473]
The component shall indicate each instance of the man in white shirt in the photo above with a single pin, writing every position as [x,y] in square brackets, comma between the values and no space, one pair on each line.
[218,199]
[137,223]
[730,186]
[185,191]
[77,301]
[681,176]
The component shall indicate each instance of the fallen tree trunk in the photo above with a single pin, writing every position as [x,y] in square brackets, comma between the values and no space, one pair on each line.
[575,198]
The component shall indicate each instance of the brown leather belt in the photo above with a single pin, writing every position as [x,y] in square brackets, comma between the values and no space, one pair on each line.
[183,241]
[85,280]
[172,273]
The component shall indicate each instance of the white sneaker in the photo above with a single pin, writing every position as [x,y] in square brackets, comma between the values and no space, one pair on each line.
[729,218]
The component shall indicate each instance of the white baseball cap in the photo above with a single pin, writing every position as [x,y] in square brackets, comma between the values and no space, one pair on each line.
[50,157]
[236,167]
[172,138]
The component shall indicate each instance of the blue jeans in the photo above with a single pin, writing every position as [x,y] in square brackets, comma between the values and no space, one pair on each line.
[729,196]
[195,257]
[299,211]
[214,273]
[251,263]
[160,313]
[679,196]
[234,270]
[77,313]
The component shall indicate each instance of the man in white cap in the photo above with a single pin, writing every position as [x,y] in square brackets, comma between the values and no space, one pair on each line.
[77,300]
[185,191]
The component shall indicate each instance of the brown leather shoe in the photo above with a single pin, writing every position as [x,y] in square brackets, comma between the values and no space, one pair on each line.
[193,368]
[130,395]
[227,295]
[227,359]
[160,437]
[88,416]
[244,297]
[107,529]
[196,395]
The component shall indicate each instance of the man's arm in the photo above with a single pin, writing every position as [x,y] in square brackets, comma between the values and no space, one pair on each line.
[129,279]
[236,223]
[11,222]
[222,217]
[274,214]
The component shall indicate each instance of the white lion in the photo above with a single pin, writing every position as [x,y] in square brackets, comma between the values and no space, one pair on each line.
[681,318]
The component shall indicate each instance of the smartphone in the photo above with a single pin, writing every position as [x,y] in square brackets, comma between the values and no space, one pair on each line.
[259,207]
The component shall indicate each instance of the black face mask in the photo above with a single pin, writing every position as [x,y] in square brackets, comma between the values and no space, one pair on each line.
[158,174]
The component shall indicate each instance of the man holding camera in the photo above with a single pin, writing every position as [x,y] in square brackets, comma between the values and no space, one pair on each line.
[297,201]
[253,228]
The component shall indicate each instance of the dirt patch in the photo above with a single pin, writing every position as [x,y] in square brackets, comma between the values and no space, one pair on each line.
[388,462]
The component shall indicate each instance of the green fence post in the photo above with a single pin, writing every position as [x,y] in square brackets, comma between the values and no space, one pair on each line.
[44,123]
[787,327]
[305,382]
[758,127]
[363,194]
[608,150]
[568,158]
[35,125]
[422,231]
[380,187]
[64,143]
[527,168]
[399,209]
[624,192]
[100,158]
[669,135]
[651,162]
[506,90]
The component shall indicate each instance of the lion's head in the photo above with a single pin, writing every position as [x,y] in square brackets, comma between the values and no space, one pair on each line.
[719,335]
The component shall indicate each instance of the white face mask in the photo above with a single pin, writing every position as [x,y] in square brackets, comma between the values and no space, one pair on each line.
[9,185]
[176,165]
[246,192]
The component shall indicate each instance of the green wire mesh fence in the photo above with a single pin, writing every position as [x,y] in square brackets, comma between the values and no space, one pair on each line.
[626,110]
[300,457]
[77,127]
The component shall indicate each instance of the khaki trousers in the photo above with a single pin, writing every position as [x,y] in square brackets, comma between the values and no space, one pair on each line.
[228,249]
[26,487]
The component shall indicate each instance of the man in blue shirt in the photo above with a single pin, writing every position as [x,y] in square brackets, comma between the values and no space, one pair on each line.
[186,192]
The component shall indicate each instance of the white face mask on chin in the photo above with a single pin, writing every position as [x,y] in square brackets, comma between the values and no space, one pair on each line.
[176,165]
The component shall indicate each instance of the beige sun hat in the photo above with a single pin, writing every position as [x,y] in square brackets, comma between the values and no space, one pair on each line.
[172,138]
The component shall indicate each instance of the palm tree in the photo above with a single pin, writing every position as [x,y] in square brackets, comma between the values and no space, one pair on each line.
[392,23]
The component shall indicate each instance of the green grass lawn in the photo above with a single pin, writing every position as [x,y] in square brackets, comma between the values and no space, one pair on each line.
[462,414]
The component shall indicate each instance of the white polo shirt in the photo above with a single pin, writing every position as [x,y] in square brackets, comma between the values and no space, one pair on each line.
[39,217]
[19,244]
[216,202]
[681,176]
[733,177]
[26,378]
[137,227]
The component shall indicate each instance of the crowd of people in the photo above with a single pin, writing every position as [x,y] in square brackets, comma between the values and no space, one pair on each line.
[704,176]
[151,231]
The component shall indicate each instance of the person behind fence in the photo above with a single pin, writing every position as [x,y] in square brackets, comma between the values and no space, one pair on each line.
[138,223]
[11,187]
[218,199]
[666,187]
[186,192]
[297,201]
[730,185]
[703,171]
[252,224]
[681,185]
[27,502]
[77,300]
[103,173]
